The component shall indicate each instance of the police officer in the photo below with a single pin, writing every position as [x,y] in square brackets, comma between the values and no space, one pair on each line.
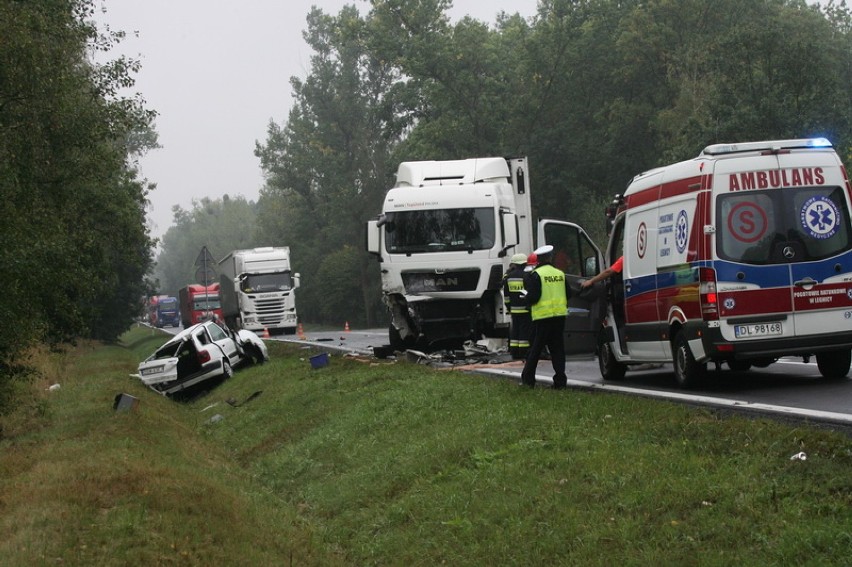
[547,296]
[514,297]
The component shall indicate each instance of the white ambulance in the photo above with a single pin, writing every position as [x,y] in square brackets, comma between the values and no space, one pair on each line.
[739,256]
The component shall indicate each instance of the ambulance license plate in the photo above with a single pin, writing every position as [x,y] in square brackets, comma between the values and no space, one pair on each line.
[757,330]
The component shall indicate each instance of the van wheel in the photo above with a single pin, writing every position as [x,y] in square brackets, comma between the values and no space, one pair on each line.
[611,368]
[835,364]
[688,373]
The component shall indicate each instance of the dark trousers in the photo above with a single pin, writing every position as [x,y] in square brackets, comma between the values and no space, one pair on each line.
[547,333]
[519,335]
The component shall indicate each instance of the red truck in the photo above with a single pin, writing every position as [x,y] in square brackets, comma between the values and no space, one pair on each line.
[199,303]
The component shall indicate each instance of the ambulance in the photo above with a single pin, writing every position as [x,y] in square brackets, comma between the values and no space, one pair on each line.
[738,257]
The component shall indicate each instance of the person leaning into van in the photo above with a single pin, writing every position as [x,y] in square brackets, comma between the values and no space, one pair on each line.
[616,268]
[547,296]
[514,296]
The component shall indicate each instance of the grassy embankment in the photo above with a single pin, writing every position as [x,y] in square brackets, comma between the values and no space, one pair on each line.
[398,464]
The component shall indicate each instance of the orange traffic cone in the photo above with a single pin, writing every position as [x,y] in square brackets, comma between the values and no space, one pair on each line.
[265,333]
[301,332]
[346,327]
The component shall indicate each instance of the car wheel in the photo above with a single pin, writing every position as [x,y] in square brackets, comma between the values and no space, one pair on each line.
[227,370]
[688,373]
[611,368]
[835,364]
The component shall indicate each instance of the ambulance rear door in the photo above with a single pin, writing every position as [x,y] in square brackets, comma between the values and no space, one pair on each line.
[783,246]
[577,255]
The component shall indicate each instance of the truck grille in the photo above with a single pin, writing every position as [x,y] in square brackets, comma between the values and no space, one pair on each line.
[419,282]
[270,311]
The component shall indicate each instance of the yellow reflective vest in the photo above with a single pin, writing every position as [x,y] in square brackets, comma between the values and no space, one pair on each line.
[553,301]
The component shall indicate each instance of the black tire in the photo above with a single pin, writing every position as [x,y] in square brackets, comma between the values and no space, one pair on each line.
[611,368]
[834,365]
[739,365]
[227,370]
[687,372]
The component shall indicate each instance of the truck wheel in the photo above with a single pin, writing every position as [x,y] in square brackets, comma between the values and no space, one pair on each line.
[688,373]
[835,364]
[611,368]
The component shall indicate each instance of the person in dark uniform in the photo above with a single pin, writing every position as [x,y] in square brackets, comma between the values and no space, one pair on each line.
[547,296]
[514,297]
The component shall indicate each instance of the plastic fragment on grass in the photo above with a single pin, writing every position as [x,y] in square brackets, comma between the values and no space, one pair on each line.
[53,387]
[799,457]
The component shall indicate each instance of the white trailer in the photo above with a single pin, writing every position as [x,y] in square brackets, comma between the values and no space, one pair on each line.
[258,290]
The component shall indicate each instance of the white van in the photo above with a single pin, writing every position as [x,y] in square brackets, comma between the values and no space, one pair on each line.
[739,256]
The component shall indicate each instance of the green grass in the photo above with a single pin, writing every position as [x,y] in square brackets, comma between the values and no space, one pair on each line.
[397,464]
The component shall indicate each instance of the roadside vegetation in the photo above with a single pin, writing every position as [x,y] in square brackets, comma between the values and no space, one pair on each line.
[382,463]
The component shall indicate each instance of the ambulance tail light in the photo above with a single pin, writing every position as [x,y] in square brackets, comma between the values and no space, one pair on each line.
[707,293]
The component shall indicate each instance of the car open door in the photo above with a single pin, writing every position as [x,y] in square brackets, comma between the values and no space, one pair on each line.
[575,254]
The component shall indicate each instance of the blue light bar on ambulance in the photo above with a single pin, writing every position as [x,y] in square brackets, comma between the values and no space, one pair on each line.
[771,146]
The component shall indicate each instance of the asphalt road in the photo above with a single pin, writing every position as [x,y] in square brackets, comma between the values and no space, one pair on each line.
[789,387]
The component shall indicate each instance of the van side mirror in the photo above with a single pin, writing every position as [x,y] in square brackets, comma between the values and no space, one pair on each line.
[590,267]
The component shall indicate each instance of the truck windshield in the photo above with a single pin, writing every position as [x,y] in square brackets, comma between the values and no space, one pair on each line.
[439,230]
[264,283]
[780,226]
[206,303]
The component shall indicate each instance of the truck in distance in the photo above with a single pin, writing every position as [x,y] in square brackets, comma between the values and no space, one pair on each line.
[163,311]
[199,303]
[257,289]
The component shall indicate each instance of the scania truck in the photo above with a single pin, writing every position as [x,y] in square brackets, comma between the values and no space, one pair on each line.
[443,240]
[257,289]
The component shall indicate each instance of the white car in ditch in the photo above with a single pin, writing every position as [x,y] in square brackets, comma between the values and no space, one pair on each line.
[199,353]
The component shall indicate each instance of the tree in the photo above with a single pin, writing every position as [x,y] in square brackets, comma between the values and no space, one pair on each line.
[73,232]
[221,225]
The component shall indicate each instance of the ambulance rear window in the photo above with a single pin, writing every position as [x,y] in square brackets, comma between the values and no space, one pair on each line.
[780,226]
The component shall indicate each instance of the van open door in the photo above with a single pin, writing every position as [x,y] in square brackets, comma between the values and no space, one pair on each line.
[575,254]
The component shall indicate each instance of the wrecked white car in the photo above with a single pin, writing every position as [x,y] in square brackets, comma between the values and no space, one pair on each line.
[197,354]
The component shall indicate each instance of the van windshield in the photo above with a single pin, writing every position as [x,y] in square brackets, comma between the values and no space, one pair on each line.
[780,226]
[440,230]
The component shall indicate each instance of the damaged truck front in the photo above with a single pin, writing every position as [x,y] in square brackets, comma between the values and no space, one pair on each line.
[443,240]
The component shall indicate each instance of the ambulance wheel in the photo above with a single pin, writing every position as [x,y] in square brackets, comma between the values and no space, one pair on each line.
[611,368]
[688,373]
[835,364]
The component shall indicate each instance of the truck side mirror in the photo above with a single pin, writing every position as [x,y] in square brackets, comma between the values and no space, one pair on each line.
[297,280]
[373,238]
[510,229]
